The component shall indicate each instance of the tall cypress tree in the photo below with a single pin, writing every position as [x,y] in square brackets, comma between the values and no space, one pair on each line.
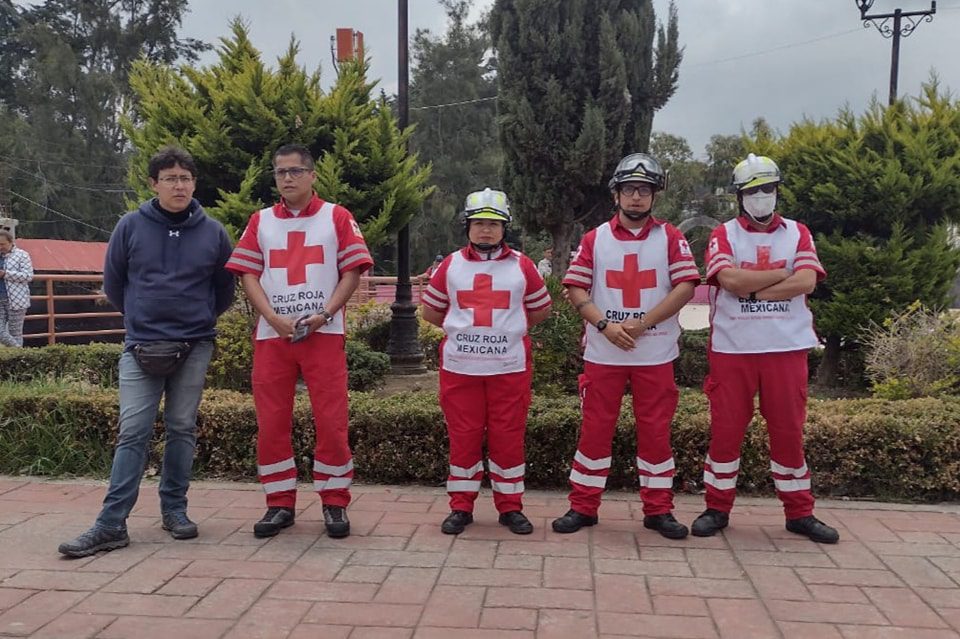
[579,82]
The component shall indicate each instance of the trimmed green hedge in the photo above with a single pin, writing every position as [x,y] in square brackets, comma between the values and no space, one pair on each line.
[96,364]
[905,450]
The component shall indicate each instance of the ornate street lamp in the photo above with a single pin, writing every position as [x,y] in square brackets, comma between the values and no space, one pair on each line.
[894,25]
[406,358]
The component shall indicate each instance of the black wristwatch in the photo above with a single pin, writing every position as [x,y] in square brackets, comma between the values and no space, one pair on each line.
[327,316]
[753,296]
[602,324]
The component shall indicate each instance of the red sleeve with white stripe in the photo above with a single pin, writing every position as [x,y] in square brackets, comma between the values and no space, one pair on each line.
[352,250]
[247,256]
[536,297]
[683,268]
[719,254]
[435,294]
[806,257]
[580,271]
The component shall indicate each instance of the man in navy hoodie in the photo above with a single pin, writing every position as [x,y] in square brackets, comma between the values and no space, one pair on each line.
[165,270]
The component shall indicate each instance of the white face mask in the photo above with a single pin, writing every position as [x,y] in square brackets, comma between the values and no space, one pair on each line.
[760,205]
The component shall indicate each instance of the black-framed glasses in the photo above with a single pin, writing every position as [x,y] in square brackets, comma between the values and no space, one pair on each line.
[769,187]
[294,172]
[643,190]
[171,180]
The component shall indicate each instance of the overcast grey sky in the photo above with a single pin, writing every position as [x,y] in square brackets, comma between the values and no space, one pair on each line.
[779,59]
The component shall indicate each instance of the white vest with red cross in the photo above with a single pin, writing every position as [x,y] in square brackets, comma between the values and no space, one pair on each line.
[739,325]
[487,321]
[300,266]
[629,279]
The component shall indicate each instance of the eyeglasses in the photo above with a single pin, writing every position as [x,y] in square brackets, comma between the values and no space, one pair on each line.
[769,187]
[170,180]
[295,172]
[640,189]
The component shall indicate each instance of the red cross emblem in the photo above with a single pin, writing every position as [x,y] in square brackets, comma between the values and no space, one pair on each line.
[296,257]
[763,262]
[631,280]
[483,299]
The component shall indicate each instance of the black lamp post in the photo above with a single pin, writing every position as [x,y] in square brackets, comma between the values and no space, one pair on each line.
[894,25]
[406,358]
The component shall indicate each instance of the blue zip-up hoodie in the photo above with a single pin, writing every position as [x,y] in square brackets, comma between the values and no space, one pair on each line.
[168,279]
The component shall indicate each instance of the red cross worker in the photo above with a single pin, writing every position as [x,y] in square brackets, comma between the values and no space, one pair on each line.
[300,260]
[760,267]
[485,296]
[628,280]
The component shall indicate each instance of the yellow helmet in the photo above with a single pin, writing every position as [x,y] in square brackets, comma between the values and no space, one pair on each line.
[755,171]
[487,204]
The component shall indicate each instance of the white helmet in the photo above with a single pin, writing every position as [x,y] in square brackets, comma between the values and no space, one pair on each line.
[756,170]
[487,204]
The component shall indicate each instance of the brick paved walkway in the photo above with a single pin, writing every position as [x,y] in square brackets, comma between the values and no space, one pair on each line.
[895,573]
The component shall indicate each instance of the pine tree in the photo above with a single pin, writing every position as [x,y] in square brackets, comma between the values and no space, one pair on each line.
[233,115]
[579,82]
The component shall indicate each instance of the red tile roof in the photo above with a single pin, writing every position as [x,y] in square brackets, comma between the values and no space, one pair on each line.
[65,256]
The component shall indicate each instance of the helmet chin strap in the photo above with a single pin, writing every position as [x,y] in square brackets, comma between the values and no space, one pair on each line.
[486,248]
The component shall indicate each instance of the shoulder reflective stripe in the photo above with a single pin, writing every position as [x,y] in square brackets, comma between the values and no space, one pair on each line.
[592,464]
[334,483]
[720,484]
[430,300]
[352,247]
[276,467]
[791,485]
[656,469]
[433,290]
[463,486]
[580,269]
[245,263]
[595,481]
[508,473]
[646,481]
[357,257]
[573,277]
[536,294]
[686,273]
[786,470]
[257,255]
[279,486]
[460,471]
[724,467]
[320,467]
[507,488]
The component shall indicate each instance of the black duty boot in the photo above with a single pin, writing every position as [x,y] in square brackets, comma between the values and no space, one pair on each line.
[93,541]
[573,521]
[335,519]
[517,522]
[456,521]
[665,524]
[813,528]
[709,522]
[275,520]
[179,525]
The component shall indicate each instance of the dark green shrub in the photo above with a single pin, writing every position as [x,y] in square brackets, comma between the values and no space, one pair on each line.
[366,368]
[233,358]
[557,356]
[903,450]
[90,363]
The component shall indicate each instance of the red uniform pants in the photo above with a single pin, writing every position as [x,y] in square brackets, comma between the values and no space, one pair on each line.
[495,405]
[322,361]
[781,381]
[655,398]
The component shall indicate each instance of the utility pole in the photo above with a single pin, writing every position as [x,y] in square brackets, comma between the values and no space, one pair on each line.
[406,358]
[894,25]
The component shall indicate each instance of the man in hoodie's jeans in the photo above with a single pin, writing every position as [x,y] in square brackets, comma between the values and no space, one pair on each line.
[164,270]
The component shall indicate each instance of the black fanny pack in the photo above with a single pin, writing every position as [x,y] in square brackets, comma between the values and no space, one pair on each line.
[161,358]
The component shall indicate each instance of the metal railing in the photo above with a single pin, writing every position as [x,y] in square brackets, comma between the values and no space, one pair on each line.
[371,288]
[50,299]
